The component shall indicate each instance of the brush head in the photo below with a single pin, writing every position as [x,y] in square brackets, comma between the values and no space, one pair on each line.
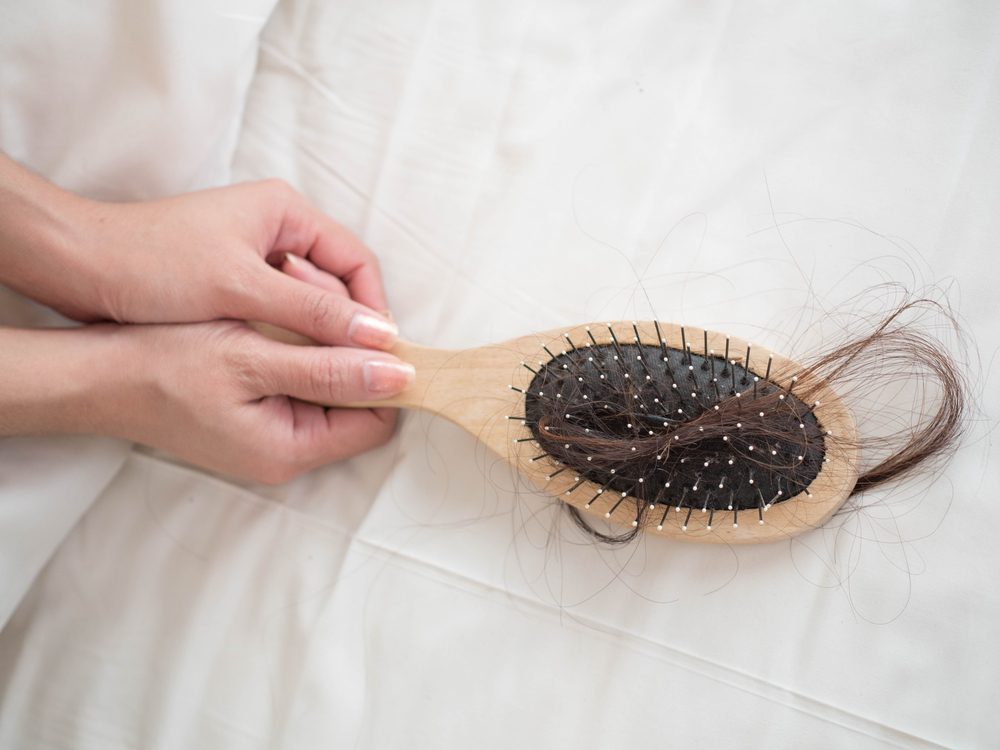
[654,423]
[630,423]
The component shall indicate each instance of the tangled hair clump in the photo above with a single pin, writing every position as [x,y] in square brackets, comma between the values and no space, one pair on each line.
[658,426]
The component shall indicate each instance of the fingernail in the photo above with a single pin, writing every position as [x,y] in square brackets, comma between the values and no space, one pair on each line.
[371,330]
[292,259]
[387,377]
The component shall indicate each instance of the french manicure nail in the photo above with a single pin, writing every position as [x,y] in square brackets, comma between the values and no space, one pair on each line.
[384,377]
[371,330]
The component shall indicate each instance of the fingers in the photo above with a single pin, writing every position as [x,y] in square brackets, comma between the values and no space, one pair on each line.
[329,375]
[327,285]
[296,436]
[341,253]
[323,315]
[320,436]
[301,269]
[309,233]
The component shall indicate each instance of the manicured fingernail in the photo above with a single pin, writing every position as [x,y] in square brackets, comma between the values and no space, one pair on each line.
[385,378]
[371,330]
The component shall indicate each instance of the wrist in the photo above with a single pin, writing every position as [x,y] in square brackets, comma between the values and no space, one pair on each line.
[45,251]
[67,381]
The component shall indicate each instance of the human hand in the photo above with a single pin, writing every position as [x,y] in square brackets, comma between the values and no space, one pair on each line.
[254,251]
[216,394]
[223,397]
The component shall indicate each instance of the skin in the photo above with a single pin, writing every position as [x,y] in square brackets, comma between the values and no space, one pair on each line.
[164,357]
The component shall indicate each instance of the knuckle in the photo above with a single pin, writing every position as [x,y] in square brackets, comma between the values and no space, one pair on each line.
[330,377]
[373,259]
[384,432]
[320,311]
[382,436]
[239,287]
[376,434]
[277,465]
[278,187]
[272,473]
[246,363]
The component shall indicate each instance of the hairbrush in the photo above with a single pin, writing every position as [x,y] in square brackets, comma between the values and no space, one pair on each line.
[678,431]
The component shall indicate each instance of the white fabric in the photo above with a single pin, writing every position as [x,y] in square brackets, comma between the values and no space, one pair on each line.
[516,166]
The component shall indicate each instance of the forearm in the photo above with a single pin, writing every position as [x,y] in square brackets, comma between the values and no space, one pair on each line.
[56,381]
[43,236]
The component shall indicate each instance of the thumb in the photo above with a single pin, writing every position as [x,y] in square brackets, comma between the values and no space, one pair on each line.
[320,314]
[330,375]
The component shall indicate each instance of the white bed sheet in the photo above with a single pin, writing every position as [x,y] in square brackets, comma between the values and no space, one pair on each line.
[515,165]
